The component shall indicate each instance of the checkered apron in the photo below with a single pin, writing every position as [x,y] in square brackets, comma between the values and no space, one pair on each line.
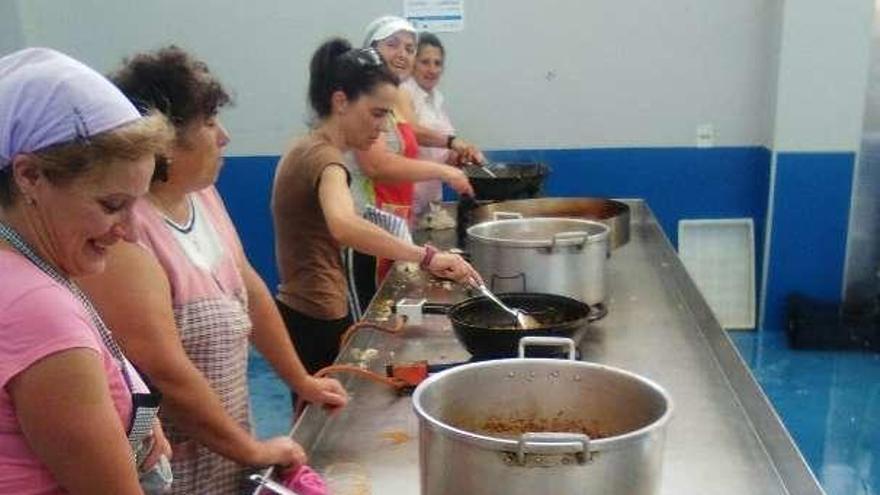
[144,406]
[209,301]
[214,333]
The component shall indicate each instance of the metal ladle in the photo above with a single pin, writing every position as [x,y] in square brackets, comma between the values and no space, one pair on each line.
[484,168]
[523,319]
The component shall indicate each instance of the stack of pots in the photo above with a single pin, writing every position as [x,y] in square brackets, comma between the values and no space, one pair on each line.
[563,256]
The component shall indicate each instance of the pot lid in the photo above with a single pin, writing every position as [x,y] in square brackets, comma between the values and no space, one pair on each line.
[539,232]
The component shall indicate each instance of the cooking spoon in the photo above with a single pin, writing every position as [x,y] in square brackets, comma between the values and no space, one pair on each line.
[484,168]
[523,319]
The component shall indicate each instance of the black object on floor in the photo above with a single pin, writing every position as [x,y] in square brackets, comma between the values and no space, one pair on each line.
[823,325]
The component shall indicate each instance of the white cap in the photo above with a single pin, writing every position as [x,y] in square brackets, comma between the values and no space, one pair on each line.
[384,27]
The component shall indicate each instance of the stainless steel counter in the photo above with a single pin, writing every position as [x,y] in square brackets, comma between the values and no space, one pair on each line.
[724,438]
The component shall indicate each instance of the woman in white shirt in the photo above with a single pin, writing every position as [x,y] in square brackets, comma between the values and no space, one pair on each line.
[427,104]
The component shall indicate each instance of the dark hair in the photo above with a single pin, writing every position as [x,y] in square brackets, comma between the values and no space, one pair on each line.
[176,84]
[335,66]
[430,39]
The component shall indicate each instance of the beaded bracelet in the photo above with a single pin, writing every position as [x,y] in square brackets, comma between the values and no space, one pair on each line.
[430,251]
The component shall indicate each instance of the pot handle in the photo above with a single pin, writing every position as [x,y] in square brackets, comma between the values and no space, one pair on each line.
[406,307]
[577,235]
[547,342]
[265,483]
[433,308]
[506,215]
[553,443]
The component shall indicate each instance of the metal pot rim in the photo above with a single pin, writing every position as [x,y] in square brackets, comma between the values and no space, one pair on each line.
[603,231]
[501,444]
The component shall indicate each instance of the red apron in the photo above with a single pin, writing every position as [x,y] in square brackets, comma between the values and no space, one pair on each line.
[397,197]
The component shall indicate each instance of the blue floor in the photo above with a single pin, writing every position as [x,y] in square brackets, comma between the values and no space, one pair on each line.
[270,399]
[829,401]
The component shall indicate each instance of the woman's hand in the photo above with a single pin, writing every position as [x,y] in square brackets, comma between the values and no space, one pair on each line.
[453,267]
[457,179]
[325,391]
[467,152]
[453,159]
[280,451]
[160,447]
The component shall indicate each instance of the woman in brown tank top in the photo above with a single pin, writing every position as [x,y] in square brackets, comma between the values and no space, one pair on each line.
[351,92]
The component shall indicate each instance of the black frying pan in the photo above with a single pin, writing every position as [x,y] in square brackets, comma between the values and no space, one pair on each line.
[511,180]
[487,331]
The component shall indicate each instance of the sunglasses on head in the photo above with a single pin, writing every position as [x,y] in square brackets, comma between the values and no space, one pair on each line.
[364,57]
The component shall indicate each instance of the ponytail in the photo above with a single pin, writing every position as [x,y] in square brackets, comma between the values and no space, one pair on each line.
[335,66]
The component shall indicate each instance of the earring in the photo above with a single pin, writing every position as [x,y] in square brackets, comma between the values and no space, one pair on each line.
[31,201]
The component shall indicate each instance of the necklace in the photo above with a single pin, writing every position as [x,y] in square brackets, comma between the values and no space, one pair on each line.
[180,214]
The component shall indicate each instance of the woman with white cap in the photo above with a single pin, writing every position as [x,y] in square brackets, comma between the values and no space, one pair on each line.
[383,175]
[75,416]
[395,40]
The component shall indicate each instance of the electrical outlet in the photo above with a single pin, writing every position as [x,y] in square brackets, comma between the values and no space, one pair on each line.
[706,136]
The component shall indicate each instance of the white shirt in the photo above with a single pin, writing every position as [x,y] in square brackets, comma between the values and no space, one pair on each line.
[428,108]
[199,240]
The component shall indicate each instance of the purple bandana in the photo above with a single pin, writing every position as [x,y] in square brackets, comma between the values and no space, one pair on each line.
[49,98]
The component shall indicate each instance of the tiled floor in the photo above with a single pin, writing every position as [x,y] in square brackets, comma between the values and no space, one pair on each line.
[830,402]
[270,400]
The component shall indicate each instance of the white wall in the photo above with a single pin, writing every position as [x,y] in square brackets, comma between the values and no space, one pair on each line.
[11,38]
[872,100]
[522,74]
[823,75]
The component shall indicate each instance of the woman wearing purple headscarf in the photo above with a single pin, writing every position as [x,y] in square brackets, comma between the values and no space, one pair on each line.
[75,416]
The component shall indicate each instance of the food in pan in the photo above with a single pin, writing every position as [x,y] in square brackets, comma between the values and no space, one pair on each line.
[499,320]
[513,426]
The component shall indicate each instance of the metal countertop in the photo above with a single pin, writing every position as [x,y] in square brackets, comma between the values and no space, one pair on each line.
[724,438]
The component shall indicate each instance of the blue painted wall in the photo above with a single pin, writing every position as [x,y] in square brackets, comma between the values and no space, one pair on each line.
[811,204]
[678,183]
[246,186]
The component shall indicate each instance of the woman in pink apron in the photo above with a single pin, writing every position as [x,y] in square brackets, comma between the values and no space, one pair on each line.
[185,298]
[75,416]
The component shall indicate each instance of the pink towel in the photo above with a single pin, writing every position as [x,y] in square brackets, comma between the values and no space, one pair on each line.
[304,481]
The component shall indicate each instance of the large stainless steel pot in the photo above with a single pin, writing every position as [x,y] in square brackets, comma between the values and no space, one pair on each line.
[614,214]
[455,456]
[551,255]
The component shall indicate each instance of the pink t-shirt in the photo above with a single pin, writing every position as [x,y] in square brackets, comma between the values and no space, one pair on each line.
[39,317]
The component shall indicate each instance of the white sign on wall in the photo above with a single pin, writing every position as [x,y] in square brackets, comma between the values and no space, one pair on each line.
[436,16]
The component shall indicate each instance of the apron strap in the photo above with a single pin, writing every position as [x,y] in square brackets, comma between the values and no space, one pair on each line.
[144,413]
